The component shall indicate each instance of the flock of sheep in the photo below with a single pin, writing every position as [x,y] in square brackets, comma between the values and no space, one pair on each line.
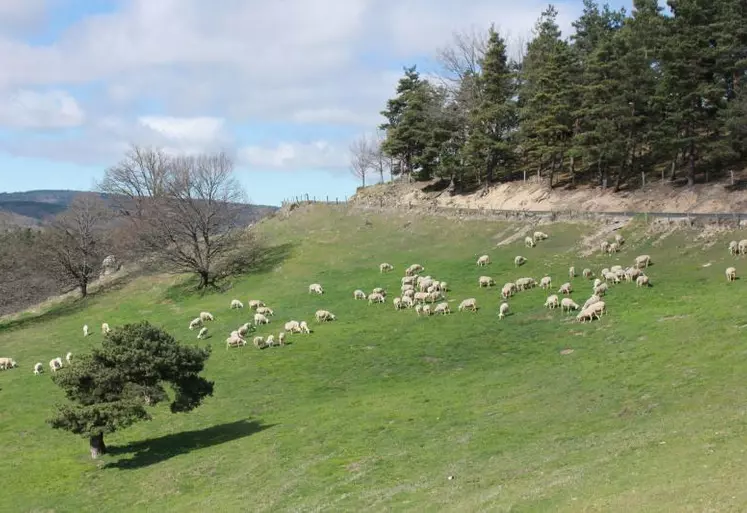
[427,296]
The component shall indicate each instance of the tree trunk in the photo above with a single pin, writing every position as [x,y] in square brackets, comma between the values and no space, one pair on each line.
[204,279]
[84,288]
[572,170]
[363,179]
[691,166]
[98,447]
[672,174]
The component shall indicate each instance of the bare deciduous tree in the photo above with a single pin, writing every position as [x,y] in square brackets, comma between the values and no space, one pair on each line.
[379,161]
[463,56]
[72,249]
[361,152]
[184,211]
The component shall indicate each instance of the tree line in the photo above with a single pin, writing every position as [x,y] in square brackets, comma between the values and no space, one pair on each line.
[650,92]
[169,213]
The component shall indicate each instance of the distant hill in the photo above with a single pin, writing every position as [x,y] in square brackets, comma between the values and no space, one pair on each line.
[35,207]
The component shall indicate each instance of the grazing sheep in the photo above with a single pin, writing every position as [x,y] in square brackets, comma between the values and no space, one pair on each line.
[293,327]
[597,282]
[599,308]
[585,315]
[742,246]
[259,342]
[421,297]
[435,296]
[615,268]
[397,302]
[593,299]
[407,301]
[68,357]
[613,248]
[468,304]
[601,289]
[587,274]
[235,303]
[507,291]
[427,310]
[485,281]
[315,288]
[519,260]
[414,269]
[244,329]
[281,338]
[731,274]
[565,288]
[442,308]
[503,310]
[206,316]
[375,298]
[552,301]
[425,284]
[55,364]
[525,283]
[418,309]
[270,341]
[7,363]
[202,334]
[443,286]
[385,268]
[619,239]
[642,281]
[195,323]
[407,287]
[571,272]
[546,282]
[605,246]
[408,280]
[359,294]
[38,368]
[305,327]
[255,303]
[409,293]
[483,261]
[85,330]
[105,329]
[324,316]
[260,319]
[567,304]
[379,290]
[529,242]
[540,236]
[642,261]
[266,311]
[733,247]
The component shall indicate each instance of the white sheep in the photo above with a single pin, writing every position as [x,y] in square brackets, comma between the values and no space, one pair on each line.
[507,291]
[571,272]
[397,302]
[202,334]
[642,261]
[7,363]
[601,289]
[195,323]
[206,316]
[587,274]
[619,239]
[613,248]
[305,327]
[418,309]
[443,286]
[468,304]
[421,297]
[593,299]
[414,269]
[519,260]
[235,303]
[615,268]
[597,282]
[442,308]
[409,293]
[38,368]
[407,301]
[503,310]
[68,357]
[293,327]
[551,301]
[485,281]
[565,288]
[529,242]
[55,364]
[742,246]
[105,329]
[385,268]
[379,290]
[435,296]
[266,311]
[540,236]
[407,287]
[567,304]
[605,246]
[85,330]
[270,341]
[642,281]
[427,310]
[375,298]
[525,283]
[260,319]
[324,316]
[731,274]
[733,247]
[546,282]
[255,303]
[409,280]
[483,260]
[281,338]
[243,329]
[316,288]
[359,294]
[259,342]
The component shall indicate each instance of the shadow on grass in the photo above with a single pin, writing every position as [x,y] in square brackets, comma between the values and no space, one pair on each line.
[155,450]
[264,261]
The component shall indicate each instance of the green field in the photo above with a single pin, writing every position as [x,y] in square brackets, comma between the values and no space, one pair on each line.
[375,411]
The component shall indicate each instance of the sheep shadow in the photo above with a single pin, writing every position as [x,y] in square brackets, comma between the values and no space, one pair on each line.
[155,450]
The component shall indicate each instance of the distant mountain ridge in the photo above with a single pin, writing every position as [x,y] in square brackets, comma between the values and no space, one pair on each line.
[30,208]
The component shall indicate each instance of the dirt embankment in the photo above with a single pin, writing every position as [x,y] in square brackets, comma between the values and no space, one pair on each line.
[706,198]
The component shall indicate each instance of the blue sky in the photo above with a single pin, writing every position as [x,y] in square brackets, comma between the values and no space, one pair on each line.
[282,86]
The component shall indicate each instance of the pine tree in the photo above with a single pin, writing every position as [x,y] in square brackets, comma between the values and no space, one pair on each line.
[110,389]
[493,121]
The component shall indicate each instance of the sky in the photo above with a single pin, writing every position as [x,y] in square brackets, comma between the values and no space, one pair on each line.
[282,86]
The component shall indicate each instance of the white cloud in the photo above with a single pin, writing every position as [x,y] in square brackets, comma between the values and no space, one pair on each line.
[18,15]
[198,130]
[27,109]
[285,155]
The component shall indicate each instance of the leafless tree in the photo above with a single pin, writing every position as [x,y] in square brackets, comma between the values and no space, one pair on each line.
[72,248]
[361,154]
[184,211]
[461,59]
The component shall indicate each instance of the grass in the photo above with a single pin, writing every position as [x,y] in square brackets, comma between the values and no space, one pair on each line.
[374,411]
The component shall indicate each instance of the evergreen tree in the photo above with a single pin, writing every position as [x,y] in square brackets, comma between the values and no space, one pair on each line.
[493,121]
[110,388]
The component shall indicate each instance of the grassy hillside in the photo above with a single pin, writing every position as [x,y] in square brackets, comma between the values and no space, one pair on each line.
[374,411]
